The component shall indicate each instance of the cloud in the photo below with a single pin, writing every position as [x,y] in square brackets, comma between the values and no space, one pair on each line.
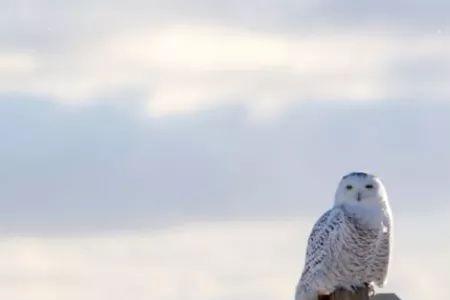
[203,260]
[193,261]
[188,57]
[255,112]
[107,166]
[184,69]
[12,63]
[184,114]
[37,19]
[204,68]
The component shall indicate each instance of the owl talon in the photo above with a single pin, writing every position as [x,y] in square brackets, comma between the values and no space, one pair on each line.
[370,288]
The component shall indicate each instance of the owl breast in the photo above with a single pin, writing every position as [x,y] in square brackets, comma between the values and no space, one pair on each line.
[356,262]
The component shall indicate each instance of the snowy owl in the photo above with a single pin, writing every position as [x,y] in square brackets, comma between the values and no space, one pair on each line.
[350,244]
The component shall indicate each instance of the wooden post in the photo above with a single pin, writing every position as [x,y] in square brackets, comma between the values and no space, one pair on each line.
[360,294]
[385,297]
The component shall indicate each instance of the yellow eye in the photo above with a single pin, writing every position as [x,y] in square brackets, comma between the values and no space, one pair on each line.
[349,187]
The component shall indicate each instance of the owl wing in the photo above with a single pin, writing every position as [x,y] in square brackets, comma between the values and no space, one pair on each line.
[323,241]
[383,251]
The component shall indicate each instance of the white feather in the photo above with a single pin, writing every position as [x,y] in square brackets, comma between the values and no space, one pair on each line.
[350,244]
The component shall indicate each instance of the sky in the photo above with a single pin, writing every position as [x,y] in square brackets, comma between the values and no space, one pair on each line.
[168,149]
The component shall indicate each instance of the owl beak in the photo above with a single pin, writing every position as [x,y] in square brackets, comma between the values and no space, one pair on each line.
[358,197]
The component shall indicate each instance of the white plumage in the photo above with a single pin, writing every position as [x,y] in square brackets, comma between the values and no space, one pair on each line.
[350,244]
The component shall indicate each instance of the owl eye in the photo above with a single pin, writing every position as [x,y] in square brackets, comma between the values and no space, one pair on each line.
[349,187]
[369,186]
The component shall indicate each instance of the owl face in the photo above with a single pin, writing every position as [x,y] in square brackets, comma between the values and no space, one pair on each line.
[360,188]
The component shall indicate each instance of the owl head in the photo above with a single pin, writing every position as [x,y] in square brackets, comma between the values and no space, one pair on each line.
[360,189]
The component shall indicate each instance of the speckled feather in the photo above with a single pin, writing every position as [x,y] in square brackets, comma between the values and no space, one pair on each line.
[345,250]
